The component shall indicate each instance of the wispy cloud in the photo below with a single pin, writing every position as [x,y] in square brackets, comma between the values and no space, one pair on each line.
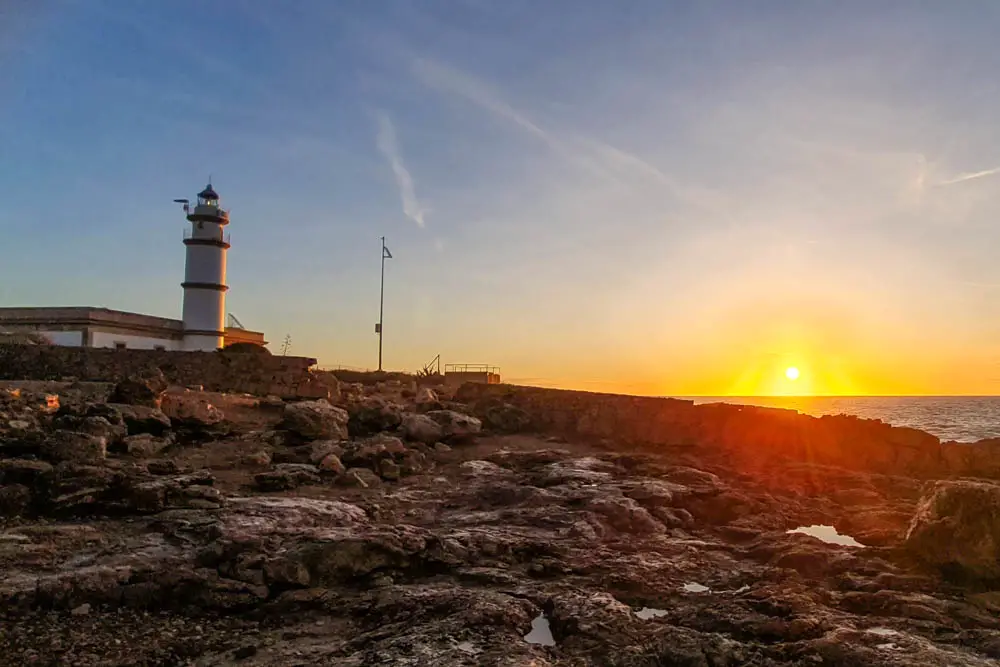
[389,147]
[450,80]
[961,178]
[586,153]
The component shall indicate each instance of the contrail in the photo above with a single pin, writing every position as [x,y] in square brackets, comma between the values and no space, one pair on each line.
[971,176]
[386,141]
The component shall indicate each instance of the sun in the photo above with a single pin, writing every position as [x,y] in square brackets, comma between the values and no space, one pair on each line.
[792,373]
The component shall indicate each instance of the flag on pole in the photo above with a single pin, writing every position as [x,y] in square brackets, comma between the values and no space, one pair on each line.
[385,252]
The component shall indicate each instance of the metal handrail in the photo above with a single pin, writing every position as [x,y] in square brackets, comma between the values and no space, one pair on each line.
[471,368]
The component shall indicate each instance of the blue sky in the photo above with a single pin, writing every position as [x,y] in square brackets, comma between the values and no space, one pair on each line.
[641,195]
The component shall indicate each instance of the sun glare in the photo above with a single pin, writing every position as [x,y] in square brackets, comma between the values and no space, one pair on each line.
[792,373]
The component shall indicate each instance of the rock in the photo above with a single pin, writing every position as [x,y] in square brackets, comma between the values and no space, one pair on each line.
[352,391]
[421,428]
[72,486]
[373,415]
[272,402]
[425,395]
[455,425]
[388,469]
[110,411]
[180,491]
[93,425]
[14,500]
[139,391]
[413,463]
[426,399]
[366,453]
[144,445]
[287,476]
[316,420]
[390,444]
[625,515]
[320,449]
[244,652]
[265,439]
[506,418]
[363,477]
[22,471]
[82,610]
[76,447]
[140,419]
[956,528]
[163,467]
[259,458]
[19,428]
[192,411]
[331,464]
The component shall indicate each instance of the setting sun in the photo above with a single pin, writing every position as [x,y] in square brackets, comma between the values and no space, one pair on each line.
[792,373]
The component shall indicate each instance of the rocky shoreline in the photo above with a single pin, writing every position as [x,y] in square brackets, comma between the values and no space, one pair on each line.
[147,525]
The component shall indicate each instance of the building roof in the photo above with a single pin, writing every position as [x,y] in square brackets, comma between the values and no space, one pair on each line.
[208,193]
[82,316]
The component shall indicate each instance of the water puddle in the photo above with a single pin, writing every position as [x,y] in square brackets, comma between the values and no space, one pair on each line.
[694,587]
[647,613]
[827,534]
[540,632]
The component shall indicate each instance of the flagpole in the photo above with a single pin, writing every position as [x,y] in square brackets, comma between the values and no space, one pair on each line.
[381,302]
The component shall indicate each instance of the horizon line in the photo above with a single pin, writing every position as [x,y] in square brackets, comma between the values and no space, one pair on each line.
[831,395]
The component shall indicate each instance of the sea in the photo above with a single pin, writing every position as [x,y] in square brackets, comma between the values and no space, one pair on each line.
[959,418]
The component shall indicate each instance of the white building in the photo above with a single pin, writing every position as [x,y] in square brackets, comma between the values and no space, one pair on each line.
[203,322]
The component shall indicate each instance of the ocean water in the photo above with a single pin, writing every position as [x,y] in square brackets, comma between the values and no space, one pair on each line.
[960,418]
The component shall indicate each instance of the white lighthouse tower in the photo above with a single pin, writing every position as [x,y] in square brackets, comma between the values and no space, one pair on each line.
[204,283]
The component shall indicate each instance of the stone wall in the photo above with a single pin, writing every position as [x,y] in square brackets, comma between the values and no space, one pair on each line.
[258,373]
[754,438]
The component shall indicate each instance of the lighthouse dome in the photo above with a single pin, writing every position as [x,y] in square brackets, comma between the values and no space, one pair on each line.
[208,193]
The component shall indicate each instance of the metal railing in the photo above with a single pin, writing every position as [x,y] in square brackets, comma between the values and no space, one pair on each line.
[222,236]
[471,368]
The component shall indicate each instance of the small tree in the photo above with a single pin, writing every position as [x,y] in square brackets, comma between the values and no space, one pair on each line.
[286,345]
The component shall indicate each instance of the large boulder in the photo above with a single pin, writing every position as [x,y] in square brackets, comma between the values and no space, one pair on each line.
[455,425]
[142,419]
[373,415]
[111,430]
[191,410]
[506,418]
[75,447]
[426,399]
[146,390]
[956,529]
[316,420]
[71,486]
[421,428]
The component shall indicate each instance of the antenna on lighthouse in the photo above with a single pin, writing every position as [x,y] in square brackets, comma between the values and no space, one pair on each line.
[187,204]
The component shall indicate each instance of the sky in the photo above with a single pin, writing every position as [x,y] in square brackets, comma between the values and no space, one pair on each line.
[641,196]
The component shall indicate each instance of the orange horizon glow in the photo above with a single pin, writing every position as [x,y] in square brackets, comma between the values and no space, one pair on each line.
[850,342]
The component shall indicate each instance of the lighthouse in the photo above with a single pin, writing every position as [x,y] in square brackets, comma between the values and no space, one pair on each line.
[206,243]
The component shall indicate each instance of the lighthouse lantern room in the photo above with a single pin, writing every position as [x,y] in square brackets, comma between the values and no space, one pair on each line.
[204,311]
